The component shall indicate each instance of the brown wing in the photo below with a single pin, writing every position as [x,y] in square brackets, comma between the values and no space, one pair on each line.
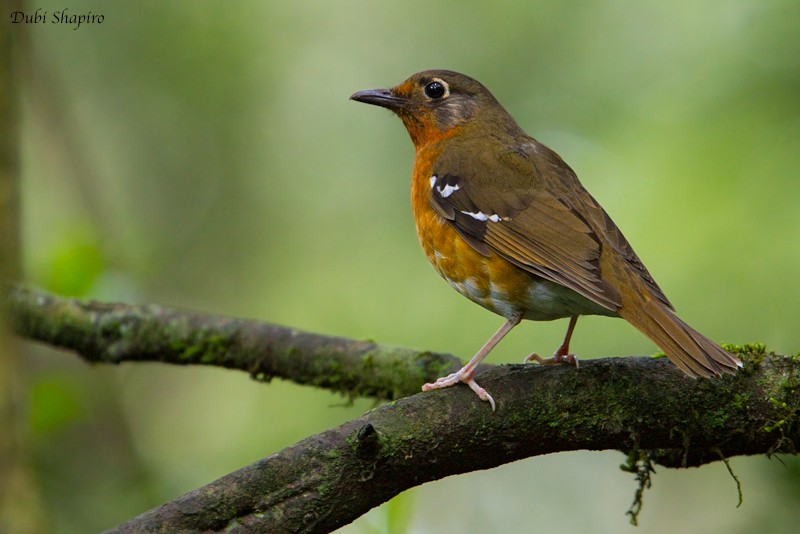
[617,241]
[531,209]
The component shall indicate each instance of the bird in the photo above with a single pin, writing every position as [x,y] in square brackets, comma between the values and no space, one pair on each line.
[506,222]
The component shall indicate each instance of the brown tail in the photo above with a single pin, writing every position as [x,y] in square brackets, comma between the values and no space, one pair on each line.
[691,351]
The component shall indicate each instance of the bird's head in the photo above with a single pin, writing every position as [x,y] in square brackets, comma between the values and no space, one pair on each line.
[436,103]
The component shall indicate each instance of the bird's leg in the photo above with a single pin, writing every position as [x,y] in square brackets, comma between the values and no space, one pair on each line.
[466,373]
[562,353]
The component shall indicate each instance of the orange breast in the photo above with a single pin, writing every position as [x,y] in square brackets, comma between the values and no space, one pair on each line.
[492,282]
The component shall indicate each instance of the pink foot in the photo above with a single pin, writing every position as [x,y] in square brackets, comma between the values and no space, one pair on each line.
[558,357]
[461,376]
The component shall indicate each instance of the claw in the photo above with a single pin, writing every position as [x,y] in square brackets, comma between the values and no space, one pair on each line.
[460,376]
[557,358]
[482,393]
[561,354]
[465,373]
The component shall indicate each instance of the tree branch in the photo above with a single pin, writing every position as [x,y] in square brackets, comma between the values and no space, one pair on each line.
[116,333]
[328,480]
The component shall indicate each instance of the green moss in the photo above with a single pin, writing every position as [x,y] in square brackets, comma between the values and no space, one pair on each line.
[751,354]
[433,364]
[740,400]
[191,353]
[199,347]
[716,418]
[639,463]
[747,349]
[333,454]
[368,362]
[215,348]
[785,410]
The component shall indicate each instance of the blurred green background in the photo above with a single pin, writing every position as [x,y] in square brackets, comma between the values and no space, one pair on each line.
[204,154]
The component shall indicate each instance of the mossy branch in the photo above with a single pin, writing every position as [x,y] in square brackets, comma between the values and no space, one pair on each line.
[328,480]
[117,333]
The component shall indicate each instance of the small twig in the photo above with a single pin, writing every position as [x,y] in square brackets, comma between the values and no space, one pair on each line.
[733,475]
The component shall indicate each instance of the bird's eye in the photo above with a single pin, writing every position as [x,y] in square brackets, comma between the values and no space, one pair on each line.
[435,90]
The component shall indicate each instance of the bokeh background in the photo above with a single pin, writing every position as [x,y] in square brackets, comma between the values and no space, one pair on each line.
[204,154]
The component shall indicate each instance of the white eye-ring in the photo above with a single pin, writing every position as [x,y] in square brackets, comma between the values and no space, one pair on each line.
[436,89]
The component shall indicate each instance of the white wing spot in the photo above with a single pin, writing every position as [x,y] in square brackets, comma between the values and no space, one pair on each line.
[448,190]
[480,216]
[433,181]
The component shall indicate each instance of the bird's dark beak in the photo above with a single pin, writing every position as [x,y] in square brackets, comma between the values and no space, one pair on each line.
[380,97]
